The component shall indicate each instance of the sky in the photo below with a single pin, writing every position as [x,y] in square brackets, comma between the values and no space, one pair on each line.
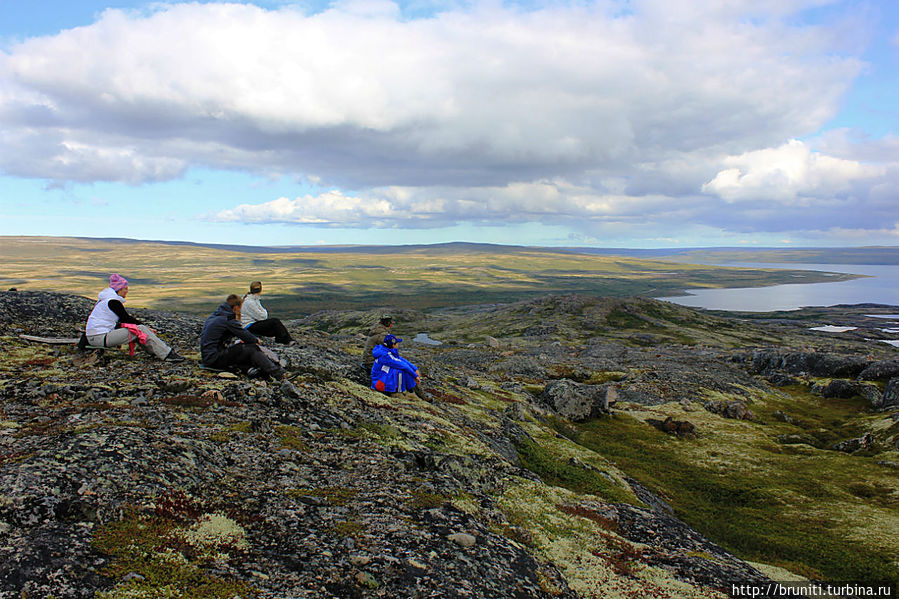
[607,123]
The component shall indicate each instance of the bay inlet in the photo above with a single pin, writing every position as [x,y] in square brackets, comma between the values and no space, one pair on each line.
[878,284]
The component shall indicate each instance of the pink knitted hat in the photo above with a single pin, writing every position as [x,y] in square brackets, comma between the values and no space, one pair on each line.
[117,282]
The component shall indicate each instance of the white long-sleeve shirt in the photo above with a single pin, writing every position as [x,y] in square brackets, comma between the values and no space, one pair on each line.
[252,311]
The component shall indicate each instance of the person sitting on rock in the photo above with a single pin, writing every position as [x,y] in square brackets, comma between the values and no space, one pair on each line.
[391,373]
[220,329]
[110,325]
[255,318]
[375,337]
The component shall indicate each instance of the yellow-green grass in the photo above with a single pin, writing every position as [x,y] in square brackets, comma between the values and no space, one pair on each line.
[195,278]
[814,511]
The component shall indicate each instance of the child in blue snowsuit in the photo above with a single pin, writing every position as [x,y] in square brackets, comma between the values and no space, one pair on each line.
[391,372]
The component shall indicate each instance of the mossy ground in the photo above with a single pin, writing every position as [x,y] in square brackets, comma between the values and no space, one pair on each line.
[820,513]
[168,557]
[595,560]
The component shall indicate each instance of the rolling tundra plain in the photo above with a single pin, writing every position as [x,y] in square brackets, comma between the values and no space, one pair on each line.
[194,278]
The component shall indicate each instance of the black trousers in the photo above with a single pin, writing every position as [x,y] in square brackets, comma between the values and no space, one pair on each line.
[271,327]
[246,355]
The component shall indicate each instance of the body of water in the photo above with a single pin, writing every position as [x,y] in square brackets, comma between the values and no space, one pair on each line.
[880,286]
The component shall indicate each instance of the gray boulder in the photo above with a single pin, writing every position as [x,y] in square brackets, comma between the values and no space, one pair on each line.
[837,389]
[768,362]
[890,397]
[736,410]
[578,401]
[884,369]
[853,445]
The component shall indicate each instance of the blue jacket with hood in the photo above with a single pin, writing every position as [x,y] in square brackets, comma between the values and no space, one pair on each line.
[218,330]
[391,372]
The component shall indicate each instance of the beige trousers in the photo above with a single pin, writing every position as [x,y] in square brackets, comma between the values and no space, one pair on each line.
[117,337]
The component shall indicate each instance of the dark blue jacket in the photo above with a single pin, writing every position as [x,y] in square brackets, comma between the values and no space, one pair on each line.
[391,372]
[218,329]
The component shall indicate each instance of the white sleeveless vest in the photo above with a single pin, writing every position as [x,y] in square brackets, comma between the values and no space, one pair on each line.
[102,319]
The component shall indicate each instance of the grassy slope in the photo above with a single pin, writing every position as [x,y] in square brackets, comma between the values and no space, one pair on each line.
[194,278]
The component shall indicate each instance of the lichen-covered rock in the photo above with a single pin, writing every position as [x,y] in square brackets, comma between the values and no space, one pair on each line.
[880,370]
[857,444]
[729,409]
[769,362]
[890,399]
[578,401]
[837,389]
[681,428]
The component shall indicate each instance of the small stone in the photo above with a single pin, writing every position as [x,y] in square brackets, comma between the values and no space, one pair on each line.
[366,580]
[132,576]
[289,389]
[471,383]
[226,375]
[416,564]
[462,539]
[783,417]
[213,395]
[491,341]
[360,560]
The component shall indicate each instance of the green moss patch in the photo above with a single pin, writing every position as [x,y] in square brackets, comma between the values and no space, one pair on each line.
[167,562]
[794,511]
[560,472]
[291,437]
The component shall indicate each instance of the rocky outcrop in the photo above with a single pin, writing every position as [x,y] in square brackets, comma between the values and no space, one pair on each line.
[121,473]
[681,428]
[577,401]
[866,441]
[729,409]
[839,388]
[770,362]
[880,370]
[890,399]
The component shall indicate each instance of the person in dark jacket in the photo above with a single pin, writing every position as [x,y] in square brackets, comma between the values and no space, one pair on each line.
[392,373]
[221,328]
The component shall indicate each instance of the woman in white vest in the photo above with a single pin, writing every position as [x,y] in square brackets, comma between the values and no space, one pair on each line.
[109,325]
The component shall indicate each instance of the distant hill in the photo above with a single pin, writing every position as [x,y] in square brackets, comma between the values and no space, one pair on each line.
[810,255]
[875,255]
[194,277]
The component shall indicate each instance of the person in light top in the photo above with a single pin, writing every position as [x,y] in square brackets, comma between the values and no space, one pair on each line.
[255,319]
[110,325]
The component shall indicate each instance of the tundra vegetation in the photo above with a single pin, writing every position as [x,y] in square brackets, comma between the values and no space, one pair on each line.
[187,277]
[570,446]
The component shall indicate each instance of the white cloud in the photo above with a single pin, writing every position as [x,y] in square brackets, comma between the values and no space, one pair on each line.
[576,113]
[362,95]
[791,174]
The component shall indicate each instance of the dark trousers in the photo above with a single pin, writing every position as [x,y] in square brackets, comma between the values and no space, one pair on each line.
[246,355]
[271,327]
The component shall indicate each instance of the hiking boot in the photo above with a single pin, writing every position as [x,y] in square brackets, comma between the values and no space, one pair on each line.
[254,372]
[174,356]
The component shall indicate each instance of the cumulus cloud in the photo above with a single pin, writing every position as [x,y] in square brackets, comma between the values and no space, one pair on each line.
[789,174]
[576,112]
